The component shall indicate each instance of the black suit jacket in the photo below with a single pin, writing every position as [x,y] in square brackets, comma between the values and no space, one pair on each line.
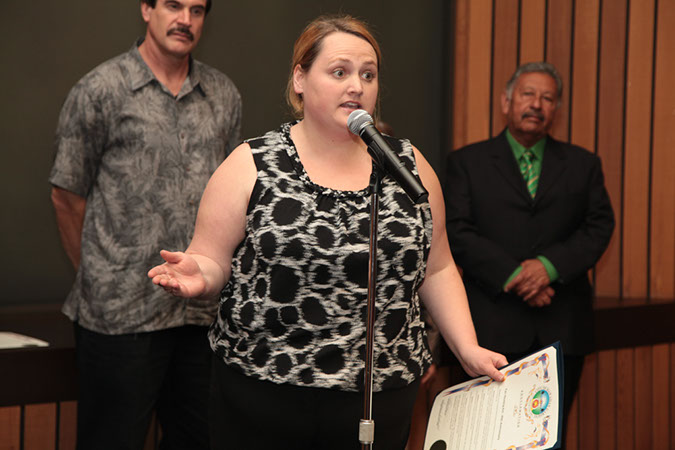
[493,224]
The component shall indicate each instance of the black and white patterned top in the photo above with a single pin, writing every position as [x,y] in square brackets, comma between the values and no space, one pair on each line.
[294,308]
[142,158]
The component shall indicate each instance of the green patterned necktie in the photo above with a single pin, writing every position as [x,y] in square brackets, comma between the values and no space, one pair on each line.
[527,169]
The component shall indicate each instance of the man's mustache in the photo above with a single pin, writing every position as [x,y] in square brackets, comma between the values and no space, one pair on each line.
[182,30]
[535,114]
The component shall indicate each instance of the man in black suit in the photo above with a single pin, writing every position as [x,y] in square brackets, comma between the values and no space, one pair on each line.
[527,217]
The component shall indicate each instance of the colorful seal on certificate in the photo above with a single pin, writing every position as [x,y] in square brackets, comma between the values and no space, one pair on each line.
[540,402]
[537,403]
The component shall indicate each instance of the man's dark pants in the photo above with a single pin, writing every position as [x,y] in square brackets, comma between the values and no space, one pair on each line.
[123,378]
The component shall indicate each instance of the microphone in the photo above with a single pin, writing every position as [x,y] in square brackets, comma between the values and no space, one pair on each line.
[361,124]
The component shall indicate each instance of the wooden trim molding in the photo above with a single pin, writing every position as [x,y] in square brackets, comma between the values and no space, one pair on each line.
[44,375]
[634,326]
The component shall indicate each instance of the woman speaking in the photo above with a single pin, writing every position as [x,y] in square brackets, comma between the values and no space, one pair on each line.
[282,239]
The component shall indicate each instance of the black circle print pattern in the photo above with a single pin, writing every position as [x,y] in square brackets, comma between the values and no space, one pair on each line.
[294,309]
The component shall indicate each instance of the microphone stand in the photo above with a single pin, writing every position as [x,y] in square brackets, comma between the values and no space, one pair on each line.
[367,424]
[384,161]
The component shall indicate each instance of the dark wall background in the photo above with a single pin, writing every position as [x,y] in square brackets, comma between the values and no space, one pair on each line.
[47,46]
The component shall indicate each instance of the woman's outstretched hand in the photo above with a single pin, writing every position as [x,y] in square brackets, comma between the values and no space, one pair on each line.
[180,275]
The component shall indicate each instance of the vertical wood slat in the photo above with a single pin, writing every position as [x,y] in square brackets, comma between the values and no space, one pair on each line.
[636,158]
[571,439]
[660,389]
[609,135]
[532,30]
[672,397]
[643,397]
[558,53]
[459,138]
[606,420]
[505,56]
[585,73]
[478,79]
[40,426]
[583,87]
[67,425]
[10,427]
[588,404]
[662,245]
[625,399]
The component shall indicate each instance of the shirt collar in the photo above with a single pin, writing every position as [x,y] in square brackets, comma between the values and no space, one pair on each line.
[518,148]
[140,74]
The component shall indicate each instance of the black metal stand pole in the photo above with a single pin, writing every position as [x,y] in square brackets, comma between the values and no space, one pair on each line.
[367,424]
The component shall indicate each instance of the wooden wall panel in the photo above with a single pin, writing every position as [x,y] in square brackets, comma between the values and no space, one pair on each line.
[625,399]
[10,428]
[662,245]
[671,426]
[609,133]
[660,387]
[583,95]
[571,440]
[607,385]
[40,427]
[67,425]
[643,397]
[558,45]
[637,150]
[617,61]
[505,56]
[460,63]
[478,79]
[588,405]
[532,30]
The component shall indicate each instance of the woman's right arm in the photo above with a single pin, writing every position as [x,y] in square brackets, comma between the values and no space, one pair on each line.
[204,268]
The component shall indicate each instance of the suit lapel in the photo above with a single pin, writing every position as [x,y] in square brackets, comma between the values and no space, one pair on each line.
[553,165]
[506,165]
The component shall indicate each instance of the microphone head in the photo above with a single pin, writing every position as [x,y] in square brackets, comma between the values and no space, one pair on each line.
[357,120]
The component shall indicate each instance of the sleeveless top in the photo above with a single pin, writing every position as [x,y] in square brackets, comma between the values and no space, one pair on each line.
[294,308]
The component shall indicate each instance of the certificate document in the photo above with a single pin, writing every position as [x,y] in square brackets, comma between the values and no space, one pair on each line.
[522,412]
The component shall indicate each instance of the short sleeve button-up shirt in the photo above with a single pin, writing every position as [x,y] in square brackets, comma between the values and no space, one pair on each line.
[141,157]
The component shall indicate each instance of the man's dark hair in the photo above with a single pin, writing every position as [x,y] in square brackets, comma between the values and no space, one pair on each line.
[153,3]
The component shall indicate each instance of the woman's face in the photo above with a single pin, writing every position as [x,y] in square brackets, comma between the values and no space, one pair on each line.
[342,78]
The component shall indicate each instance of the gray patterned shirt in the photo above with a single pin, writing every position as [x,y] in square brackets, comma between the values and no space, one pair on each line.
[141,157]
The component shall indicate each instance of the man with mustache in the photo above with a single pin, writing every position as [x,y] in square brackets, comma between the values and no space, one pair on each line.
[137,140]
[527,217]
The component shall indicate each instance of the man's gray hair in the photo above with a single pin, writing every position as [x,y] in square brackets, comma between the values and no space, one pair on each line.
[537,67]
